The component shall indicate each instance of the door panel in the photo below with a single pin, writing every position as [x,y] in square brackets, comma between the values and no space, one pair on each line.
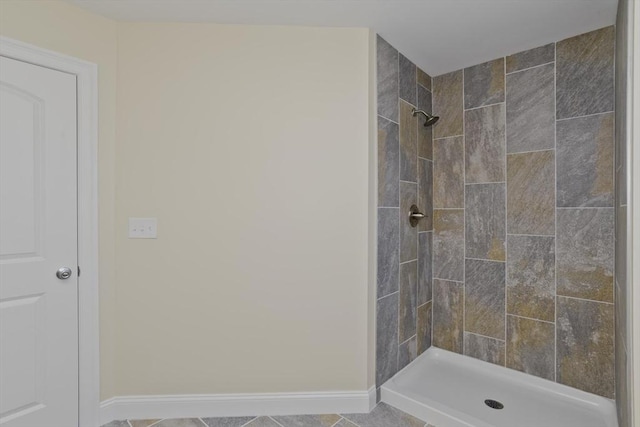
[38,235]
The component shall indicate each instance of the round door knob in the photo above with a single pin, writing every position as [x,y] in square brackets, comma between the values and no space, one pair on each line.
[63,273]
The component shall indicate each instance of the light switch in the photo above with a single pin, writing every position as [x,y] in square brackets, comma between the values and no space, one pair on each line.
[143,228]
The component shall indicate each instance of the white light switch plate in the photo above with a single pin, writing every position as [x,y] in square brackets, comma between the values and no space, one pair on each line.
[143,228]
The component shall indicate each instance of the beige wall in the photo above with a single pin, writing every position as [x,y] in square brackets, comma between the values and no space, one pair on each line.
[250,145]
[61,27]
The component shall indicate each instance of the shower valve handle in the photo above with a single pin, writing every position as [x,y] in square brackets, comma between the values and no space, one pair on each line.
[415,215]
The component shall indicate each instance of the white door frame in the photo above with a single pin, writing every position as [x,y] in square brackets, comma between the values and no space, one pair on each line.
[88,302]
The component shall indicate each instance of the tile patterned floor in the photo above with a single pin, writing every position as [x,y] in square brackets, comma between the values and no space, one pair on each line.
[382,416]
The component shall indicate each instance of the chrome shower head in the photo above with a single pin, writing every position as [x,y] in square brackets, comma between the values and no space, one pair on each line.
[431,120]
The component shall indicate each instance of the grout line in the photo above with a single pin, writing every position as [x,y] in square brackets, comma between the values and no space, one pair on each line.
[477,108]
[586,115]
[389,120]
[411,260]
[555,214]
[408,339]
[423,86]
[353,422]
[395,368]
[531,151]
[448,280]
[529,68]
[408,182]
[388,295]
[159,421]
[506,244]
[388,207]
[247,423]
[484,336]
[531,235]
[272,419]
[484,183]
[129,423]
[530,318]
[433,156]
[203,423]
[450,136]
[586,299]
[585,207]
[337,422]
[424,158]
[464,219]
[482,259]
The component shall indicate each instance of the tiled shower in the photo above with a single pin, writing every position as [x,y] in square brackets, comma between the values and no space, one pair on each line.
[515,265]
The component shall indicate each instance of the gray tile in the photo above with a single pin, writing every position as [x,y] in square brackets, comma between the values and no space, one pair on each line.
[425,194]
[182,422]
[531,346]
[388,163]
[408,300]
[407,352]
[408,143]
[484,84]
[425,133]
[408,234]
[531,193]
[423,79]
[484,134]
[424,327]
[388,250]
[147,423]
[448,244]
[584,76]
[425,264]
[388,76]
[407,88]
[386,338]
[345,423]
[584,337]
[448,315]
[384,415]
[531,109]
[117,423]
[488,349]
[485,211]
[447,103]
[585,253]
[227,421]
[585,161]
[531,277]
[308,420]
[484,298]
[448,172]
[263,422]
[531,58]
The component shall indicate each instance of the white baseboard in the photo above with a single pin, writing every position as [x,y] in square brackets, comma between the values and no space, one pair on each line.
[234,405]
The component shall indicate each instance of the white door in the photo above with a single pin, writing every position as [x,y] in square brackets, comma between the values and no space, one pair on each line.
[38,235]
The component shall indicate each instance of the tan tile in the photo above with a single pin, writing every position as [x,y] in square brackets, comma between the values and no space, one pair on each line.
[531,193]
[447,103]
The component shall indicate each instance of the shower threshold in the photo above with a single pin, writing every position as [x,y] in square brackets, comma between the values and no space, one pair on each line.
[450,390]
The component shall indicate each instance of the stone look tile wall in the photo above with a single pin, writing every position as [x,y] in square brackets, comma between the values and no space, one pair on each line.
[523,199]
[623,372]
[405,177]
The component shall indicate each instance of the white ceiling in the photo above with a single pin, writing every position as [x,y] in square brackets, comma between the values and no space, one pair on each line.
[438,35]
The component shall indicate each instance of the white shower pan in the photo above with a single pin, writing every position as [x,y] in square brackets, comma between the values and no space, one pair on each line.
[449,390]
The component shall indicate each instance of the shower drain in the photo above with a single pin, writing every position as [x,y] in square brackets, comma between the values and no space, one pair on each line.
[494,404]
